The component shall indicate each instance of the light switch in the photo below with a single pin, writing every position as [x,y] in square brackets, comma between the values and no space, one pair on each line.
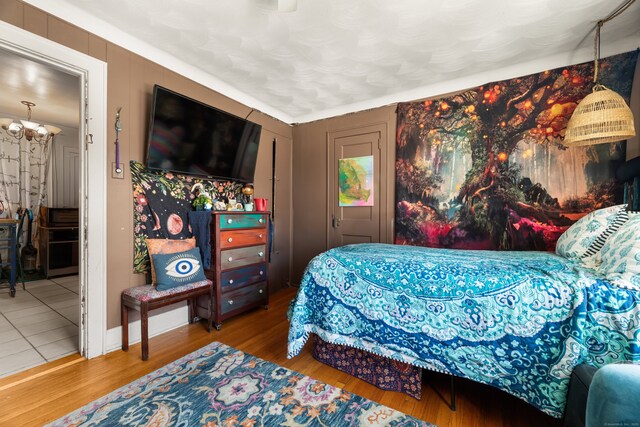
[115,173]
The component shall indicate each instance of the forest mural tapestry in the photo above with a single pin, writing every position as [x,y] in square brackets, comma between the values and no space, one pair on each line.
[486,168]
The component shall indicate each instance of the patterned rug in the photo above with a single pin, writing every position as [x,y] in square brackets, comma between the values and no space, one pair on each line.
[220,386]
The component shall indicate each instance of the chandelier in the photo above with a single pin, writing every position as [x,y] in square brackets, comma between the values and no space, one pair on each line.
[28,129]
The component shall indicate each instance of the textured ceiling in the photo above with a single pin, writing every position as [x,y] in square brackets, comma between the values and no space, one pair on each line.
[340,53]
[55,93]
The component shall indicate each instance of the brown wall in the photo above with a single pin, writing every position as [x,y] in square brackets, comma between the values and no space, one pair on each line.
[310,161]
[130,82]
[633,144]
[310,181]
[301,165]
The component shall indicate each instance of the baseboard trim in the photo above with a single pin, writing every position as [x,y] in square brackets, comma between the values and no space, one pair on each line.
[158,324]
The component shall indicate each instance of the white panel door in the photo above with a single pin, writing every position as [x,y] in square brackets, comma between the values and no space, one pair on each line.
[70,196]
[354,224]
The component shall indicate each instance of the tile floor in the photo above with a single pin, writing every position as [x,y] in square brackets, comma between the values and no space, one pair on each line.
[40,324]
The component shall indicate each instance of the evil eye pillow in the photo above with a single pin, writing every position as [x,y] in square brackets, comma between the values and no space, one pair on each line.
[167,246]
[177,269]
[588,235]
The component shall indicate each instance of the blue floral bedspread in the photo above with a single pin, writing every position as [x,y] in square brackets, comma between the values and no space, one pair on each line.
[519,321]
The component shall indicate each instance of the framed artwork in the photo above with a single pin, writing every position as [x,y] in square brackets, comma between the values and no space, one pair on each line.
[355,181]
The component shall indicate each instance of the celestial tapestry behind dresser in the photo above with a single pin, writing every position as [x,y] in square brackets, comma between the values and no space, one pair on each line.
[161,202]
[486,168]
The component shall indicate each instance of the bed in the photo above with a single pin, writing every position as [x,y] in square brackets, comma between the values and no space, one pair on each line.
[519,321]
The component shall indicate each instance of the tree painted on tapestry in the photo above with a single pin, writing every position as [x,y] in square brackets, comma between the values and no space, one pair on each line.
[486,168]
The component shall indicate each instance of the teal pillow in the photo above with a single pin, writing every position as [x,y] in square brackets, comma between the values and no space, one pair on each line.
[611,400]
[177,269]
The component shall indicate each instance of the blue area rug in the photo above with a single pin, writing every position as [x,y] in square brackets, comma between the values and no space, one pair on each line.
[219,386]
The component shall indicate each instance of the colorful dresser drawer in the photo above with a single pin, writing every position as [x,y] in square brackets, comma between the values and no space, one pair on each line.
[246,237]
[231,221]
[239,277]
[234,258]
[243,297]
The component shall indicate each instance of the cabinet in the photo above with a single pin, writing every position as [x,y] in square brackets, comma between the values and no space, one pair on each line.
[239,259]
[59,250]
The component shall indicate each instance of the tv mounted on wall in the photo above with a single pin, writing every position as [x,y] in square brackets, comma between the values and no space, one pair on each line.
[189,137]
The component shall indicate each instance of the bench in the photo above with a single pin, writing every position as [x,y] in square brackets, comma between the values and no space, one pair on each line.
[146,298]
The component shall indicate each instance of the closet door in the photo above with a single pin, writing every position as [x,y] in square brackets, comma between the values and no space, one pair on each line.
[65,174]
[355,224]
[273,180]
[71,186]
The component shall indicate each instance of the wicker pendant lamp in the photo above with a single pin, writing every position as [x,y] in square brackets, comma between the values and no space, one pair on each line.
[603,115]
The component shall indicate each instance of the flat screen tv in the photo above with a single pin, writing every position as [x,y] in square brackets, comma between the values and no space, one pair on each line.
[192,138]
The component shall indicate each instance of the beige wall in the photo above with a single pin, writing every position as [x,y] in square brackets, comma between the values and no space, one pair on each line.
[130,82]
[310,181]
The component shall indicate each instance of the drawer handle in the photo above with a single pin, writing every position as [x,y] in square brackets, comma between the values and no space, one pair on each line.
[260,253]
[260,291]
[231,281]
[230,239]
[230,220]
[261,273]
[261,220]
[260,236]
[230,259]
[230,302]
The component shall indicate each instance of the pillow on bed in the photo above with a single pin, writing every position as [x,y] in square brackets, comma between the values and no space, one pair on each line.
[586,237]
[621,255]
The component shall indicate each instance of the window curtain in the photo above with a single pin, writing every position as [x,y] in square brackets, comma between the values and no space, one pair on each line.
[23,172]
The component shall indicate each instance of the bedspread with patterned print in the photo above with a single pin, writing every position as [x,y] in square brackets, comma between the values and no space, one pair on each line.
[519,321]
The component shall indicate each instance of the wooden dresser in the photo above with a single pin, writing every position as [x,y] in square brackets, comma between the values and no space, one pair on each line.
[239,259]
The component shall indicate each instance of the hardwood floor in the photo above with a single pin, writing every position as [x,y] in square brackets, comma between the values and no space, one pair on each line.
[50,391]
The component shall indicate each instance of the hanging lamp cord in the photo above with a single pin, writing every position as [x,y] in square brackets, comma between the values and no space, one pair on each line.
[596,47]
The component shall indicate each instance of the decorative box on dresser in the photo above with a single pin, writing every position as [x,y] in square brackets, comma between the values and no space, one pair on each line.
[239,259]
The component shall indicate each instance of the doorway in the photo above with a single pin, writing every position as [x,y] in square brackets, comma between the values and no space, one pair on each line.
[40,322]
[91,143]
[355,224]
